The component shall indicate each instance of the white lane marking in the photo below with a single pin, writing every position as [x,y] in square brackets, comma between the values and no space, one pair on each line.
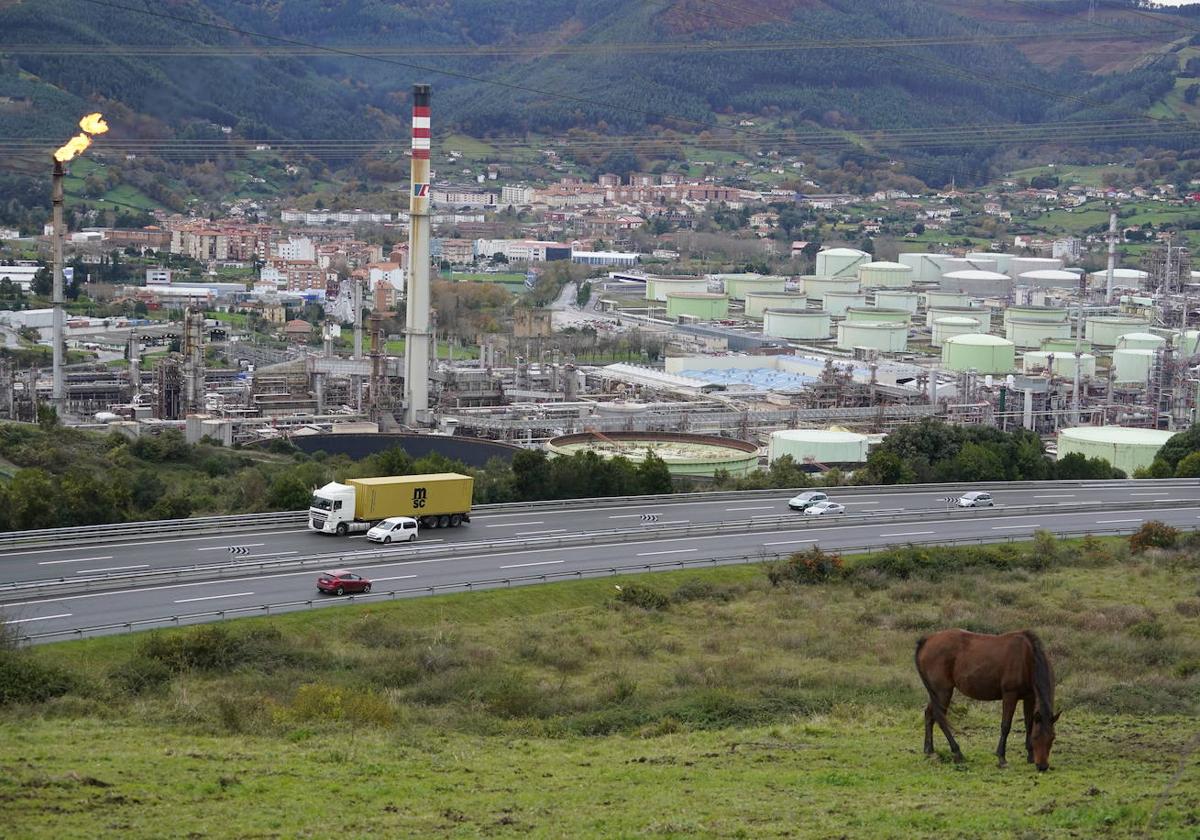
[790,542]
[212,597]
[518,524]
[1003,527]
[269,554]
[147,543]
[866,503]
[774,515]
[674,551]
[1158,493]
[112,569]
[38,618]
[540,533]
[1056,496]
[1112,521]
[907,534]
[396,577]
[75,560]
[525,565]
[240,545]
[762,507]
[634,515]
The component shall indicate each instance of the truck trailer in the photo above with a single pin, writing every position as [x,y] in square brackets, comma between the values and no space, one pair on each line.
[440,500]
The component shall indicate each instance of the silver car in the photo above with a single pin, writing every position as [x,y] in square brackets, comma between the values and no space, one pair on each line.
[807,499]
[975,499]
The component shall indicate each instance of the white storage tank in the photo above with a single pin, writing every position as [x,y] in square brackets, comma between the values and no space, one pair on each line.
[1036,361]
[657,288]
[821,446]
[977,282]
[1059,345]
[884,336]
[953,264]
[1029,333]
[836,303]
[927,268]
[1002,260]
[1140,341]
[1188,342]
[1122,277]
[933,299]
[757,302]
[1124,448]
[1049,279]
[1132,365]
[817,287]
[1020,265]
[1104,330]
[877,313]
[797,324]
[1037,313]
[841,262]
[982,353]
[898,299]
[885,275]
[737,286]
[952,325]
[980,313]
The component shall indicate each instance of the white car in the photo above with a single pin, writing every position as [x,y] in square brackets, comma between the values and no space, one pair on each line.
[807,499]
[822,508]
[975,499]
[396,529]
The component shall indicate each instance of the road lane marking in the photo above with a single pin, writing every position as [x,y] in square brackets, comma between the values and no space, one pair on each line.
[1057,496]
[673,551]
[518,524]
[635,515]
[146,543]
[540,533]
[525,565]
[38,618]
[76,560]
[1113,521]
[112,569]
[761,507]
[907,534]
[396,577]
[1158,493]
[240,545]
[1003,527]
[213,597]
[866,503]
[269,554]
[791,542]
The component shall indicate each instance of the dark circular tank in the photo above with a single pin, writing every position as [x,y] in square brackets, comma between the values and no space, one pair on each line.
[471,451]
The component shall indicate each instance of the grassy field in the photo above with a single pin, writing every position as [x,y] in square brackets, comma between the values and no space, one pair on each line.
[705,703]
[396,348]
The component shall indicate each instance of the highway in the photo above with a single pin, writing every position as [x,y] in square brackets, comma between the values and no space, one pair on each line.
[481,555]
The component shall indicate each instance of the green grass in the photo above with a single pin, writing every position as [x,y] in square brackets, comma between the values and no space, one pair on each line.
[396,348]
[1068,174]
[739,710]
[480,277]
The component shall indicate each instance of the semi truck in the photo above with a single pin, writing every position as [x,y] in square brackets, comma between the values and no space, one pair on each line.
[439,500]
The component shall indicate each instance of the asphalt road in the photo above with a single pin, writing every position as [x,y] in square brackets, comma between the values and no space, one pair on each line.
[58,613]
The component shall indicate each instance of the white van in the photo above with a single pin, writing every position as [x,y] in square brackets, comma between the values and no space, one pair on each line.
[395,529]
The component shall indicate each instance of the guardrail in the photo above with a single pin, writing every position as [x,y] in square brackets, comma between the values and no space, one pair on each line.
[58,587]
[98,534]
[506,582]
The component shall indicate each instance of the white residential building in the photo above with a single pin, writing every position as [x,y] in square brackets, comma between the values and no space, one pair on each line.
[296,249]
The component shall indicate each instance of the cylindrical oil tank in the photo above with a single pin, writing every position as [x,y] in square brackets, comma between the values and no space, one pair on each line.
[816,287]
[885,275]
[898,299]
[1104,330]
[1123,277]
[658,287]
[977,282]
[1029,333]
[1002,260]
[927,268]
[1059,345]
[841,262]
[955,264]
[1188,342]
[885,336]
[1019,265]
[877,313]
[756,302]
[821,446]
[1049,279]
[983,353]
[1124,448]
[933,299]
[952,325]
[807,324]
[980,313]
[1063,365]
[706,306]
[836,303]
[1132,365]
[1140,341]
[1054,314]
[737,286]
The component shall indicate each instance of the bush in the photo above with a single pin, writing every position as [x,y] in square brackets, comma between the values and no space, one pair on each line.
[23,679]
[1153,534]
[140,675]
[208,647]
[636,595]
[324,702]
[810,566]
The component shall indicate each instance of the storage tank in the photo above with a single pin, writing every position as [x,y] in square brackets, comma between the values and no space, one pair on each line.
[756,302]
[885,275]
[1063,365]
[1132,365]
[1128,277]
[1049,279]
[1140,341]
[706,306]
[885,336]
[841,262]
[684,454]
[1029,333]
[933,299]
[797,324]
[658,287]
[980,313]
[817,287]
[1059,345]
[898,299]
[978,283]
[1037,313]
[878,313]
[927,268]
[836,303]
[1104,330]
[955,264]
[1124,448]
[952,325]
[1019,265]
[983,353]
[821,446]
[1187,343]
[1003,261]
[737,286]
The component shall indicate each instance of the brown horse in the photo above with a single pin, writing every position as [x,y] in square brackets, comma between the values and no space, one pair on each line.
[1009,667]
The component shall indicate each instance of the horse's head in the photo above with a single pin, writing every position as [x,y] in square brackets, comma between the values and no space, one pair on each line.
[1043,738]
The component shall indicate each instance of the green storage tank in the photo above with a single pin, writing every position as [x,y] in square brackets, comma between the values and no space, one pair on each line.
[705,306]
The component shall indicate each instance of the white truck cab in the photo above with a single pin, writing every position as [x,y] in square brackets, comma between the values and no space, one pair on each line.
[331,510]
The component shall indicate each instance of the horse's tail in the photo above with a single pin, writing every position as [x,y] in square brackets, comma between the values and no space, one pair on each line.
[939,714]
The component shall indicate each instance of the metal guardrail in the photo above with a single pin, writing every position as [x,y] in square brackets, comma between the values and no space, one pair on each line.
[97,534]
[58,587]
[506,582]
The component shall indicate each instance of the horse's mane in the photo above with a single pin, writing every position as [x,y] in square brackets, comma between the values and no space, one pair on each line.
[1043,679]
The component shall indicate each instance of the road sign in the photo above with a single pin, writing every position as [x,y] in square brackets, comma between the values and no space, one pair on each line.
[238,549]
[649,517]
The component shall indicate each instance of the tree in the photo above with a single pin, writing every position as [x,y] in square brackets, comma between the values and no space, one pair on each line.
[885,467]
[1189,466]
[1180,446]
[531,475]
[653,475]
[42,284]
[288,492]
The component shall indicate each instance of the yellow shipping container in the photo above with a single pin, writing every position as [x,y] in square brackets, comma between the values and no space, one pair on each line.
[411,495]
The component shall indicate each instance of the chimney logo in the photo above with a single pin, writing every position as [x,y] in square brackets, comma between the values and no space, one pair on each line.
[420,190]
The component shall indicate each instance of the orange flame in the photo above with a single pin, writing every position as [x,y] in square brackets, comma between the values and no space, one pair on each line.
[93,124]
[73,147]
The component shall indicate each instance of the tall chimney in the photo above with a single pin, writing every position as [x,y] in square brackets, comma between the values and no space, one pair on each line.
[59,393]
[416,329]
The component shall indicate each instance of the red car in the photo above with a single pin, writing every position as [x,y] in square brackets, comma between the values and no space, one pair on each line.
[341,581]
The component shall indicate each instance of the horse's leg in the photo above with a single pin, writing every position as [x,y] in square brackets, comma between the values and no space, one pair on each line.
[929,728]
[1029,704]
[1006,715]
[944,702]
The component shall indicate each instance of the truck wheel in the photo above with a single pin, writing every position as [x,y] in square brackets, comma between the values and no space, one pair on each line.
[341,532]
[455,519]
[429,521]
[443,521]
